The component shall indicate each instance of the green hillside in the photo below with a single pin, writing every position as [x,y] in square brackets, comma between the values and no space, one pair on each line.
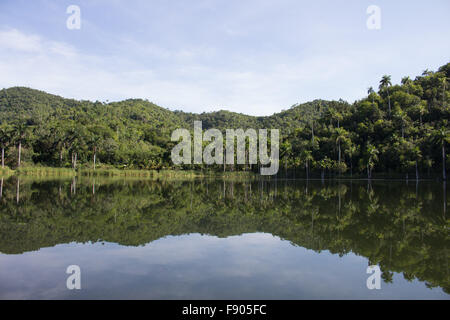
[401,128]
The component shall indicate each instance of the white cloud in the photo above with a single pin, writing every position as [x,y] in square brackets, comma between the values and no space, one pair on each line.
[192,78]
[13,39]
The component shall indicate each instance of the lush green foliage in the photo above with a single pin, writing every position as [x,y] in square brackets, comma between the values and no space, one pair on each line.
[399,129]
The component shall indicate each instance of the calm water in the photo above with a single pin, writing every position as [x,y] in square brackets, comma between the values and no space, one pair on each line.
[223,240]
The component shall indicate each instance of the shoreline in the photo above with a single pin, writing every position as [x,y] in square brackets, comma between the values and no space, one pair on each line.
[193,174]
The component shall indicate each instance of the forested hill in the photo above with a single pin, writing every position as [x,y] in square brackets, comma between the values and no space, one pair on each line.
[397,128]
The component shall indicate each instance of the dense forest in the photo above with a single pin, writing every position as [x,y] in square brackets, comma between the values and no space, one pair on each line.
[399,226]
[401,129]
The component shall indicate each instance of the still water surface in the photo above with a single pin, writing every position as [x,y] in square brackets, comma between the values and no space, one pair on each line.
[210,239]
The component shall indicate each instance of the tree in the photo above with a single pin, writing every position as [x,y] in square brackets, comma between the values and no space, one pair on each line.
[406,81]
[20,131]
[442,136]
[371,158]
[307,157]
[385,83]
[96,135]
[6,132]
[340,136]
[285,153]
[370,92]
[351,150]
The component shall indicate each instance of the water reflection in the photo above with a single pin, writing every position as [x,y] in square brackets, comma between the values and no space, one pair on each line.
[223,239]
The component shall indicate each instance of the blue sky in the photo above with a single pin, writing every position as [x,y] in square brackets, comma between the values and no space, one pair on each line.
[251,56]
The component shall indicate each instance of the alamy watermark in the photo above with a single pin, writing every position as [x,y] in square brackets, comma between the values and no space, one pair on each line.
[374,280]
[73,22]
[74,280]
[213,153]
[374,20]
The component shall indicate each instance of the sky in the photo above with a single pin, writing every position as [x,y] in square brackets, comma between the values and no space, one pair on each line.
[256,57]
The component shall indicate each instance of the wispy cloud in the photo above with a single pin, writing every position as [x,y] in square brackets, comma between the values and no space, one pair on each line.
[256,57]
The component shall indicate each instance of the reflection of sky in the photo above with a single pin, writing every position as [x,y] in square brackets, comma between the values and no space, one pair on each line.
[250,266]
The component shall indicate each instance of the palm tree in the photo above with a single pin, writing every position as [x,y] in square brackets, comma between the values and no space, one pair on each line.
[372,157]
[20,131]
[340,136]
[406,81]
[5,139]
[307,157]
[402,117]
[421,107]
[441,136]
[369,92]
[286,150]
[385,82]
[351,150]
[417,154]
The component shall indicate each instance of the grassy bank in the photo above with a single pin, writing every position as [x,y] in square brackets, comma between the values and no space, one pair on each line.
[54,172]
[37,171]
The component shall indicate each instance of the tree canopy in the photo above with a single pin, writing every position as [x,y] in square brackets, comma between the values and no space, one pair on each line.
[402,128]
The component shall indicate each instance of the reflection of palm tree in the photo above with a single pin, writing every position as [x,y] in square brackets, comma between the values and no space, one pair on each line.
[387,276]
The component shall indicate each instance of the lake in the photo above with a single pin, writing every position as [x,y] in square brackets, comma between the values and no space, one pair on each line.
[223,239]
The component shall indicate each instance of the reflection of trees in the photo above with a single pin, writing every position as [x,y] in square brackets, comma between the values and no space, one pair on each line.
[391,224]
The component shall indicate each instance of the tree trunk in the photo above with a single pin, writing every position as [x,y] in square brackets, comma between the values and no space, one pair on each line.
[18,190]
[20,152]
[285,167]
[417,172]
[307,173]
[95,153]
[389,103]
[443,162]
[3,158]
[351,167]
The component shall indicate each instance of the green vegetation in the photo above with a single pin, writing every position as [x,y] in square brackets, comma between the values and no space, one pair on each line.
[401,227]
[401,129]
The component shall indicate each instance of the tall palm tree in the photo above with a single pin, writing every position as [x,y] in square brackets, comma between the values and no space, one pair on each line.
[421,107]
[372,157]
[5,139]
[385,82]
[307,158]
[286,151]
[340,135]
[351,150]
[20,132]
[406,81]
[441,136]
